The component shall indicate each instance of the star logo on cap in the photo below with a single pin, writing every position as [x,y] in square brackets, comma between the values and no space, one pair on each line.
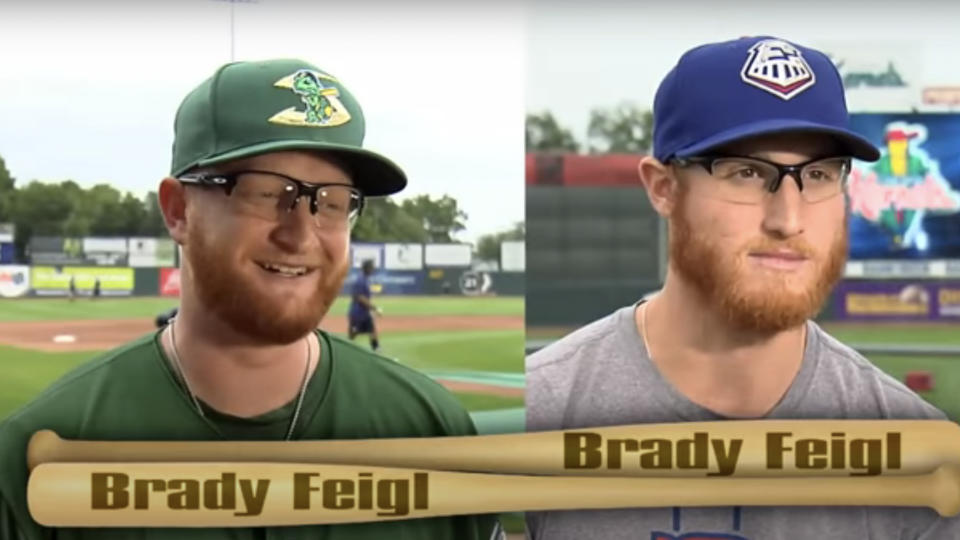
[322,108]
[777,67]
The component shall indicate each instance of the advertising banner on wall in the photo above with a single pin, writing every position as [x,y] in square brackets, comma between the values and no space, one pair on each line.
[53,281]
[448,254]
[105,251]
[403,256]
[882,75]
[93,244]
[473,282]
[907,205]
[513,256]
[151,252]
[169,282]
[56,250]
[366,252]
[946,96]
[14,281]
[8,252]
[898,300]
[388,282]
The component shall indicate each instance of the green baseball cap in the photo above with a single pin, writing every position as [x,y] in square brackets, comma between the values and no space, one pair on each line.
[251,108]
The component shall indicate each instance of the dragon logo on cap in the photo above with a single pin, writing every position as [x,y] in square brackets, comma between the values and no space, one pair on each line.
[777,67]
[322,108]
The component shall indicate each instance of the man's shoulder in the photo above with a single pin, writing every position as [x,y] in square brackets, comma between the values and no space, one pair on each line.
[587,343]
[861,381]
[593,352]
[397,386]
[66,407]
[119,366]
[362,360]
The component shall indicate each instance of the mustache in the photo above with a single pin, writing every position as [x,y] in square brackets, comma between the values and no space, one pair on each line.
[796,245]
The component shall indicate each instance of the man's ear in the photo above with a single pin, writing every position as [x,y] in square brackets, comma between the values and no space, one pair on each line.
[173,205]
[660,184]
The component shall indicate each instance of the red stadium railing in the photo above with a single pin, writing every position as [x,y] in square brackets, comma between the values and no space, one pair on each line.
[549,169]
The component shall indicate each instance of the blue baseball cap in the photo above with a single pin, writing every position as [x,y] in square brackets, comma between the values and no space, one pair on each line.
[723,92]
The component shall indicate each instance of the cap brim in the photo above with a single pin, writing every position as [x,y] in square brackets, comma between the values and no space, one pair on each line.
[373,174]
[853,144]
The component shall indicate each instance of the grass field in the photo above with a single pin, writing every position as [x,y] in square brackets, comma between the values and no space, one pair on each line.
[53,309]
[945,370]
[906,333]
[23,373]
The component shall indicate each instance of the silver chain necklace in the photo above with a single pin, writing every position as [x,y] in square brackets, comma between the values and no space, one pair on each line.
[643,329]
[196,402]
[646,344]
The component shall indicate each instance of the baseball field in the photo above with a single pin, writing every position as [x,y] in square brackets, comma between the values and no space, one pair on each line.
[472,345]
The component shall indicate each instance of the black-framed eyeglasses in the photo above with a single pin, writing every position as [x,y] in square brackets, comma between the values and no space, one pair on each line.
[749,180]
[269,194]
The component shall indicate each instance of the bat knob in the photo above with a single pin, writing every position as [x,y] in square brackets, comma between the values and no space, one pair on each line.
[42,447]
[945,490]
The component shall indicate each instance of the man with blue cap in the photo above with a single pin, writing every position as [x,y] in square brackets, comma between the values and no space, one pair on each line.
[751,156]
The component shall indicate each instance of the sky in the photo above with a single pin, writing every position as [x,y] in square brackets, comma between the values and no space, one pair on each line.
[582,55]
[88,90]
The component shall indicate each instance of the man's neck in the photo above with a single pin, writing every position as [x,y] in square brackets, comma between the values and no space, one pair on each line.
[232,373]
[728,371]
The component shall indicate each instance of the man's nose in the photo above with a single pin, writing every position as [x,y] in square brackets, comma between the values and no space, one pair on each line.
[783,212]
[296,227]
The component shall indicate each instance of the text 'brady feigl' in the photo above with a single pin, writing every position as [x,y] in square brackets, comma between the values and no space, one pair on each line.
[247,496]
[719,456]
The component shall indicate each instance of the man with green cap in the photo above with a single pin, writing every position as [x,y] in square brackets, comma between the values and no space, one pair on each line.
[268,177]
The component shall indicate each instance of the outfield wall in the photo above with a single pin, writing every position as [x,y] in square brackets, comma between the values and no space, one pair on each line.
[147,267]
[895,300]
[54,281]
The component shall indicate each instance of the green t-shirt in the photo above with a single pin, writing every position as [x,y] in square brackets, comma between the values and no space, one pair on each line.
[131,393]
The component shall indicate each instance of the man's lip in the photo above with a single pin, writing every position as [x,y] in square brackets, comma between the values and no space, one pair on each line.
[291,265]
[785,255]
[308,269]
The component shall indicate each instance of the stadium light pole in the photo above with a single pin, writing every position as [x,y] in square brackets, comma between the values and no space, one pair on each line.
[233,23]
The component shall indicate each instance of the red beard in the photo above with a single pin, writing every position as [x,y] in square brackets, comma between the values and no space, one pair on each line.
[235,299]
[722,280]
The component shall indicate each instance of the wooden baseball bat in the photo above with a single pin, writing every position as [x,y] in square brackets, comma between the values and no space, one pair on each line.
[279,494]
[923,445]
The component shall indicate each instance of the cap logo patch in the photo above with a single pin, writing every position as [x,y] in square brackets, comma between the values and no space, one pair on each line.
[778,68]
[322,108]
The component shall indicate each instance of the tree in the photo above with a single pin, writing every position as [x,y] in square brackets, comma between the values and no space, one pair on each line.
[153,224]
[6,181]
[544,134]
[6,192]
[623,129]
[441,219]
[385,221]
[488,245]
[40,209]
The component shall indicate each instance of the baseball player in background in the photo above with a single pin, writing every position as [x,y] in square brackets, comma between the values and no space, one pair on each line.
[360,317]
[268,176]
[750,161]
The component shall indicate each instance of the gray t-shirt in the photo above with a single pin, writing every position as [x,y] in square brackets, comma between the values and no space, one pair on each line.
[601,375]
